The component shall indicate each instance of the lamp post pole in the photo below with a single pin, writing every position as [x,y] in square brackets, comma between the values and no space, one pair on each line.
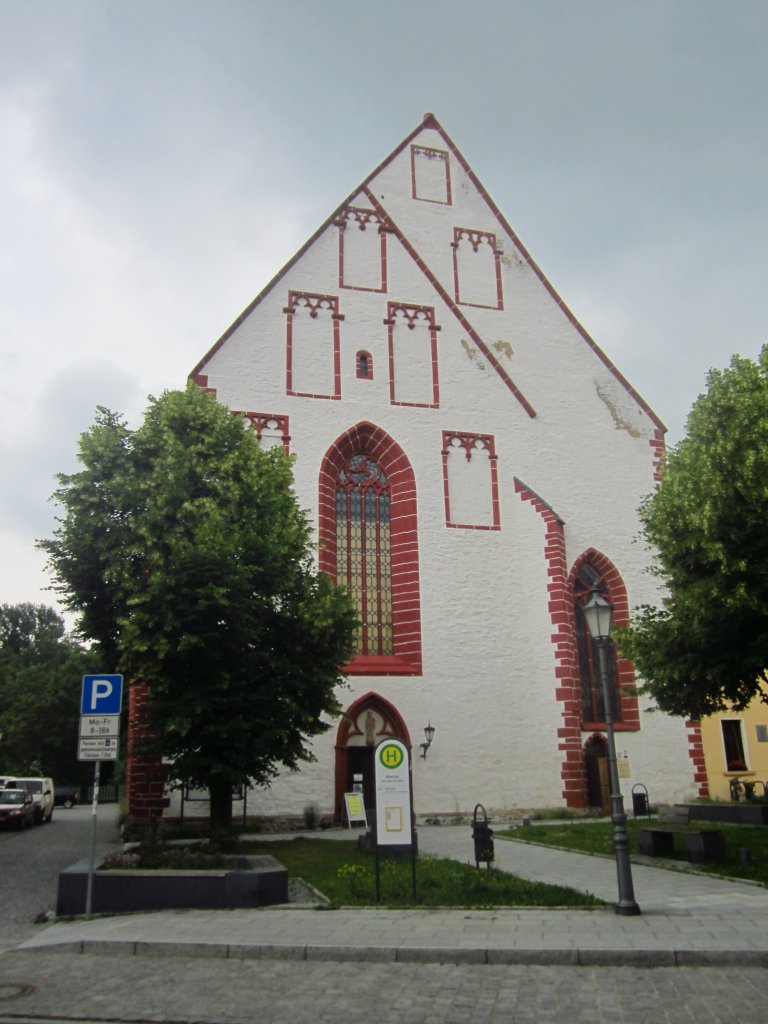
[598,613]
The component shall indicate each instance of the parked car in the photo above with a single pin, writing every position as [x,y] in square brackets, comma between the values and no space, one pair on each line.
[66,795]
[41,790]
[17,808]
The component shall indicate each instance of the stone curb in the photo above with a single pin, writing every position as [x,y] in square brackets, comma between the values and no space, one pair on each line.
[565,956]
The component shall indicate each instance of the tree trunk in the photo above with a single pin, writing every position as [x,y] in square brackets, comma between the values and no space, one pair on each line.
[221,809]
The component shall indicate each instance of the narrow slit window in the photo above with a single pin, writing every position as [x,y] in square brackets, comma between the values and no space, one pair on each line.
[589,581]
[364,362]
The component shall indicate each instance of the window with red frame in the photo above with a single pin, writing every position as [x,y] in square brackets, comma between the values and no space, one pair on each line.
[363,550]
[590,581]
[364,362]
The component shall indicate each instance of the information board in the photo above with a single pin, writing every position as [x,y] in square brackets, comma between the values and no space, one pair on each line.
[355,808]
[92,748]
[393,794]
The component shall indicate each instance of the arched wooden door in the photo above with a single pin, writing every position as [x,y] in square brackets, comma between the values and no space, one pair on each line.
[364,724]
[596,765]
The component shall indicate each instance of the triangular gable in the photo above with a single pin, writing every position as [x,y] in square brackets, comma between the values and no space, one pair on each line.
[451,304]
[363,196]
[350,200]
[540,274]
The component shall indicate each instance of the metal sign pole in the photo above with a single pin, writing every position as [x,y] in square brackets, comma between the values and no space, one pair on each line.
[377,864]
[100,702]
[413,829]
[394,817]
[92,861]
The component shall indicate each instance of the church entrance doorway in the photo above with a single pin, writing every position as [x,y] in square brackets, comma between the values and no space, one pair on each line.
[596,763]
[363,726]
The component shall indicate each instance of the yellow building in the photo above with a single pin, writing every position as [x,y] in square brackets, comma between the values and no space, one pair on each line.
[735,747]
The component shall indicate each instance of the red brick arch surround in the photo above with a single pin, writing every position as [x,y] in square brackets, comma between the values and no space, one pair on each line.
[406,603]
[570,738]
[617,595]
[571,733]
[393,725]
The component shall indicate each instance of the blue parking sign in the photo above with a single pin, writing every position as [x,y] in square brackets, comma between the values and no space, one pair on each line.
[102,695]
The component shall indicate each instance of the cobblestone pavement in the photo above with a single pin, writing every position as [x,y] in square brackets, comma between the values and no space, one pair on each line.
[69,987]
[289,966]
[30,863]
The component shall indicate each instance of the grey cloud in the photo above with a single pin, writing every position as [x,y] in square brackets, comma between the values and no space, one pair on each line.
[47,445]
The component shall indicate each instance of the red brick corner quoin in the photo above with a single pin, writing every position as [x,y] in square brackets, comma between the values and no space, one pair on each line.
[144,779]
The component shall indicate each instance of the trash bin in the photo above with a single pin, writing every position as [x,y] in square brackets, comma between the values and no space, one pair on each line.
[640,804]
[482,835]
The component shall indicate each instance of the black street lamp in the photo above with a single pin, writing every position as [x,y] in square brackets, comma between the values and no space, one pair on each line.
[429,732]
[598,614]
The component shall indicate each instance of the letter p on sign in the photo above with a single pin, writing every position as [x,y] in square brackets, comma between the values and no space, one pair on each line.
[102,695]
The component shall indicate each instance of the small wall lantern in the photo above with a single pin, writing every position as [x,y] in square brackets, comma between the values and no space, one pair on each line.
[429,732]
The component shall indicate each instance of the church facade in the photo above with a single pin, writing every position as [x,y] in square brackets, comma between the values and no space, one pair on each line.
[473,463]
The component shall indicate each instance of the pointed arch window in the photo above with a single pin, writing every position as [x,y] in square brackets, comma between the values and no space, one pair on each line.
[589,580]
[369,542]
[363,549]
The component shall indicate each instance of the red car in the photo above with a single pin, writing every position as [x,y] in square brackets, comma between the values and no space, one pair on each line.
[17,808]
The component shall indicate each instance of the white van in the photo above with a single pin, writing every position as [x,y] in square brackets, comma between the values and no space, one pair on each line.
[41,790]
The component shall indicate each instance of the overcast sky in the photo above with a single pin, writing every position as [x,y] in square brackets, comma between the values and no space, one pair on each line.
[161,159]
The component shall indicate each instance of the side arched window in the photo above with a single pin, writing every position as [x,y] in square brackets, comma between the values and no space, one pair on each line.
[589,580]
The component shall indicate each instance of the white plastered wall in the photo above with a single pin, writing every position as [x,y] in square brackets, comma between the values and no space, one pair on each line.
[488,683]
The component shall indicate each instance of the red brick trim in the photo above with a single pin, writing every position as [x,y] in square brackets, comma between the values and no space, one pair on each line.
[144,776]
[411,315]
[260,420]
[430,122]
[626,679]
[363,219]
[364,365]
[316,304]
[567,689]
[406,601]
[201,379]
[539,273]
[393,725]
[476,238]
[659,450]
[468,442]
[696,754]
[451,304]
[431,154]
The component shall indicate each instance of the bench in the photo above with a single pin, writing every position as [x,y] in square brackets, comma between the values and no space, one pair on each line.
[703,845]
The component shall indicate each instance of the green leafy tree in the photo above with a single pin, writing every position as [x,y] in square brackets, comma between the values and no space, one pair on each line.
[705,648]
[41,669]
[184,553]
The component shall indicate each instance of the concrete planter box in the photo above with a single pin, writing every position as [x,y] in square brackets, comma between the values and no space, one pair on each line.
[248,882]
[734,814]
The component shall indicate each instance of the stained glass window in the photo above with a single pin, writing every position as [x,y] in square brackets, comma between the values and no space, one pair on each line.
[590,581]
[363,550]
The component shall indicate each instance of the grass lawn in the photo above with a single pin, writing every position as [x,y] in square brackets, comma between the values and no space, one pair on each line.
[345,874]
[596,837]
